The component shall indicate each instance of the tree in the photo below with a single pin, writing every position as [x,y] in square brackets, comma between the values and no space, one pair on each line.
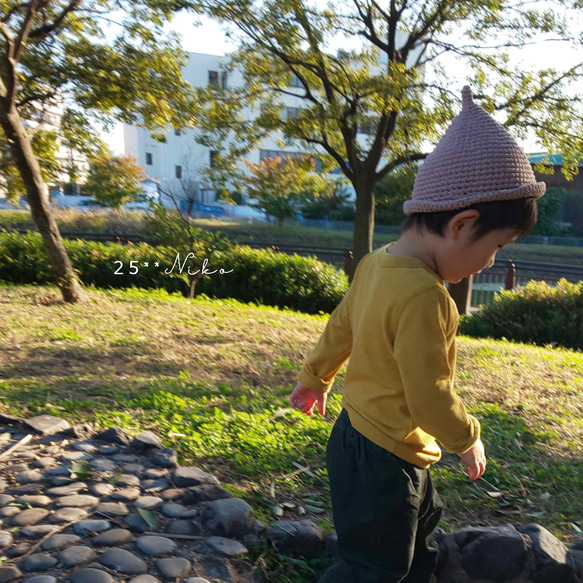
[332,203]
[391,192]
[114,180]
[55,55]
[371,109]
[280,186]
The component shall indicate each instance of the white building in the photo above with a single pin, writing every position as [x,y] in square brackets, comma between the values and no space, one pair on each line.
[177,163]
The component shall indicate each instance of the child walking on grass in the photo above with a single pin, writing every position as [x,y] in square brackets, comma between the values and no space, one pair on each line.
[474,194]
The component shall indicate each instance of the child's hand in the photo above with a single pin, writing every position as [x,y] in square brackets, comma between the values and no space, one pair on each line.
[475,459]
[304,399]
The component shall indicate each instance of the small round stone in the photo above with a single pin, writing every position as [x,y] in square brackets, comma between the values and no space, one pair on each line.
[68,514]
[60,541]
[155,473]
[38,562]
[101,464]
[6,499]
[41,579]
[91,576]
[101,489]
[128,480]
[34,500]
[28,476]
[173,510]
[113,509]
[6,539]
[133,468]
[125,457]
[226,546]
[155,485]
[68,490]
[115,537]
[44,463]
[9,573]
[77,556]
[9,511]
[17,550]
[197,580]
[148,502]
[144,579]
[182,527]
[84,446]
[78,501]
[85,527]
[136,522]
[39,530]
[30,517]
[173,568]
[76,456]
[126,495]
[155,546]
[123,561]
[107,449]
[172,493]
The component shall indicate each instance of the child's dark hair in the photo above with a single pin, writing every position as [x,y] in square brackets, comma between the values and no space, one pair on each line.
[519,214]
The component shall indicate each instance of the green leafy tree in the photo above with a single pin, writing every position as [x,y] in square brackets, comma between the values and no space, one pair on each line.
[114,180]
[332,203]
[56,54]
[279,186]
[371,109]
[548,208]
[391,192]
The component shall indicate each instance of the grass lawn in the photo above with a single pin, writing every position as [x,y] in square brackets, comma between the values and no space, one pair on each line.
[212,377]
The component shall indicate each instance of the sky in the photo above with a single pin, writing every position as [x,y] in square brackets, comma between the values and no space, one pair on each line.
[202,35]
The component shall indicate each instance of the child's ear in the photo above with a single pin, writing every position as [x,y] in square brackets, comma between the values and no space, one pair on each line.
[464,221]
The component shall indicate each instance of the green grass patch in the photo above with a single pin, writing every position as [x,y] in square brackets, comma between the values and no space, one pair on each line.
[212,377]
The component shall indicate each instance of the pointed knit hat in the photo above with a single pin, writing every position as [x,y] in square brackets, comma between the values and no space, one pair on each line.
[476,160]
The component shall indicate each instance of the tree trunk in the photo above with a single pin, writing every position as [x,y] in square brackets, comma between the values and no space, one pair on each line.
[38,200]
[363,223]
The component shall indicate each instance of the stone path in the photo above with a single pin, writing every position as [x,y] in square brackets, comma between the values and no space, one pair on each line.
[110,509]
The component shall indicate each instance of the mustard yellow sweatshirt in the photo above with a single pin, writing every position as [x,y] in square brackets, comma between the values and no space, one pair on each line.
[398,324]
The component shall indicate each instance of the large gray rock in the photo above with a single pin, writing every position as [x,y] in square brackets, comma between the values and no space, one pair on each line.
[172,569]
[113,435]
[124,562]
[192,476]
[205,493]
[145,441]
[47,424]
[231,518]
[496,554]
[297,536]
[163,458]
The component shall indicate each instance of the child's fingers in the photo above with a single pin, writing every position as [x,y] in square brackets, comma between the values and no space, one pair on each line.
[322,405]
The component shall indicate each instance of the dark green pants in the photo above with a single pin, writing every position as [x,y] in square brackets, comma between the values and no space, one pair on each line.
[385,510]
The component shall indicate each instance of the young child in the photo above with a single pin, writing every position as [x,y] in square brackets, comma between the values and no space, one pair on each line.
[474,194]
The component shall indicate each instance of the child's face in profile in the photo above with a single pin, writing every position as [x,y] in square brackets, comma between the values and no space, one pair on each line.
[465,257]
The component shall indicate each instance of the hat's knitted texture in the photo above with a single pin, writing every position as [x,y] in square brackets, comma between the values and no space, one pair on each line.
[475,161]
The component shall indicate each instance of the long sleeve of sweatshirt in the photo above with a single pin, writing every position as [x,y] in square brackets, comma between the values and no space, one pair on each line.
[424,349]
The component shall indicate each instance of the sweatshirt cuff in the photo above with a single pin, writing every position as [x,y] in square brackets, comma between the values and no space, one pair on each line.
[313,382]
[475,431]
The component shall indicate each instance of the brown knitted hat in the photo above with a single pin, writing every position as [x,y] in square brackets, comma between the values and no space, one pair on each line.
[475,161]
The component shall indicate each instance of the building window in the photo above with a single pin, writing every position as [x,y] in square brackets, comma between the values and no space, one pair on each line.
[224,79]
[177,132]
[213,157]
[291,112]
[214,78]
[295,82]
[178,171]
[149,159]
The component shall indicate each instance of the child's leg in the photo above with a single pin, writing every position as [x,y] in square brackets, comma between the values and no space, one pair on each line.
[377,499]
[426,550]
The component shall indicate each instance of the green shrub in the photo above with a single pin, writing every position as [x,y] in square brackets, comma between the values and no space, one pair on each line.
[275,279]
[538,313]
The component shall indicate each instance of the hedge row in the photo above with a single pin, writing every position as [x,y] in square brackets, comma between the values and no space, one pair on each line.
[537,313]
[275,279]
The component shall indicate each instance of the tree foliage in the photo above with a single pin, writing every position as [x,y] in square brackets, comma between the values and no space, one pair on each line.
[372,108]
[391,192]
[279,186]
[114,180]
